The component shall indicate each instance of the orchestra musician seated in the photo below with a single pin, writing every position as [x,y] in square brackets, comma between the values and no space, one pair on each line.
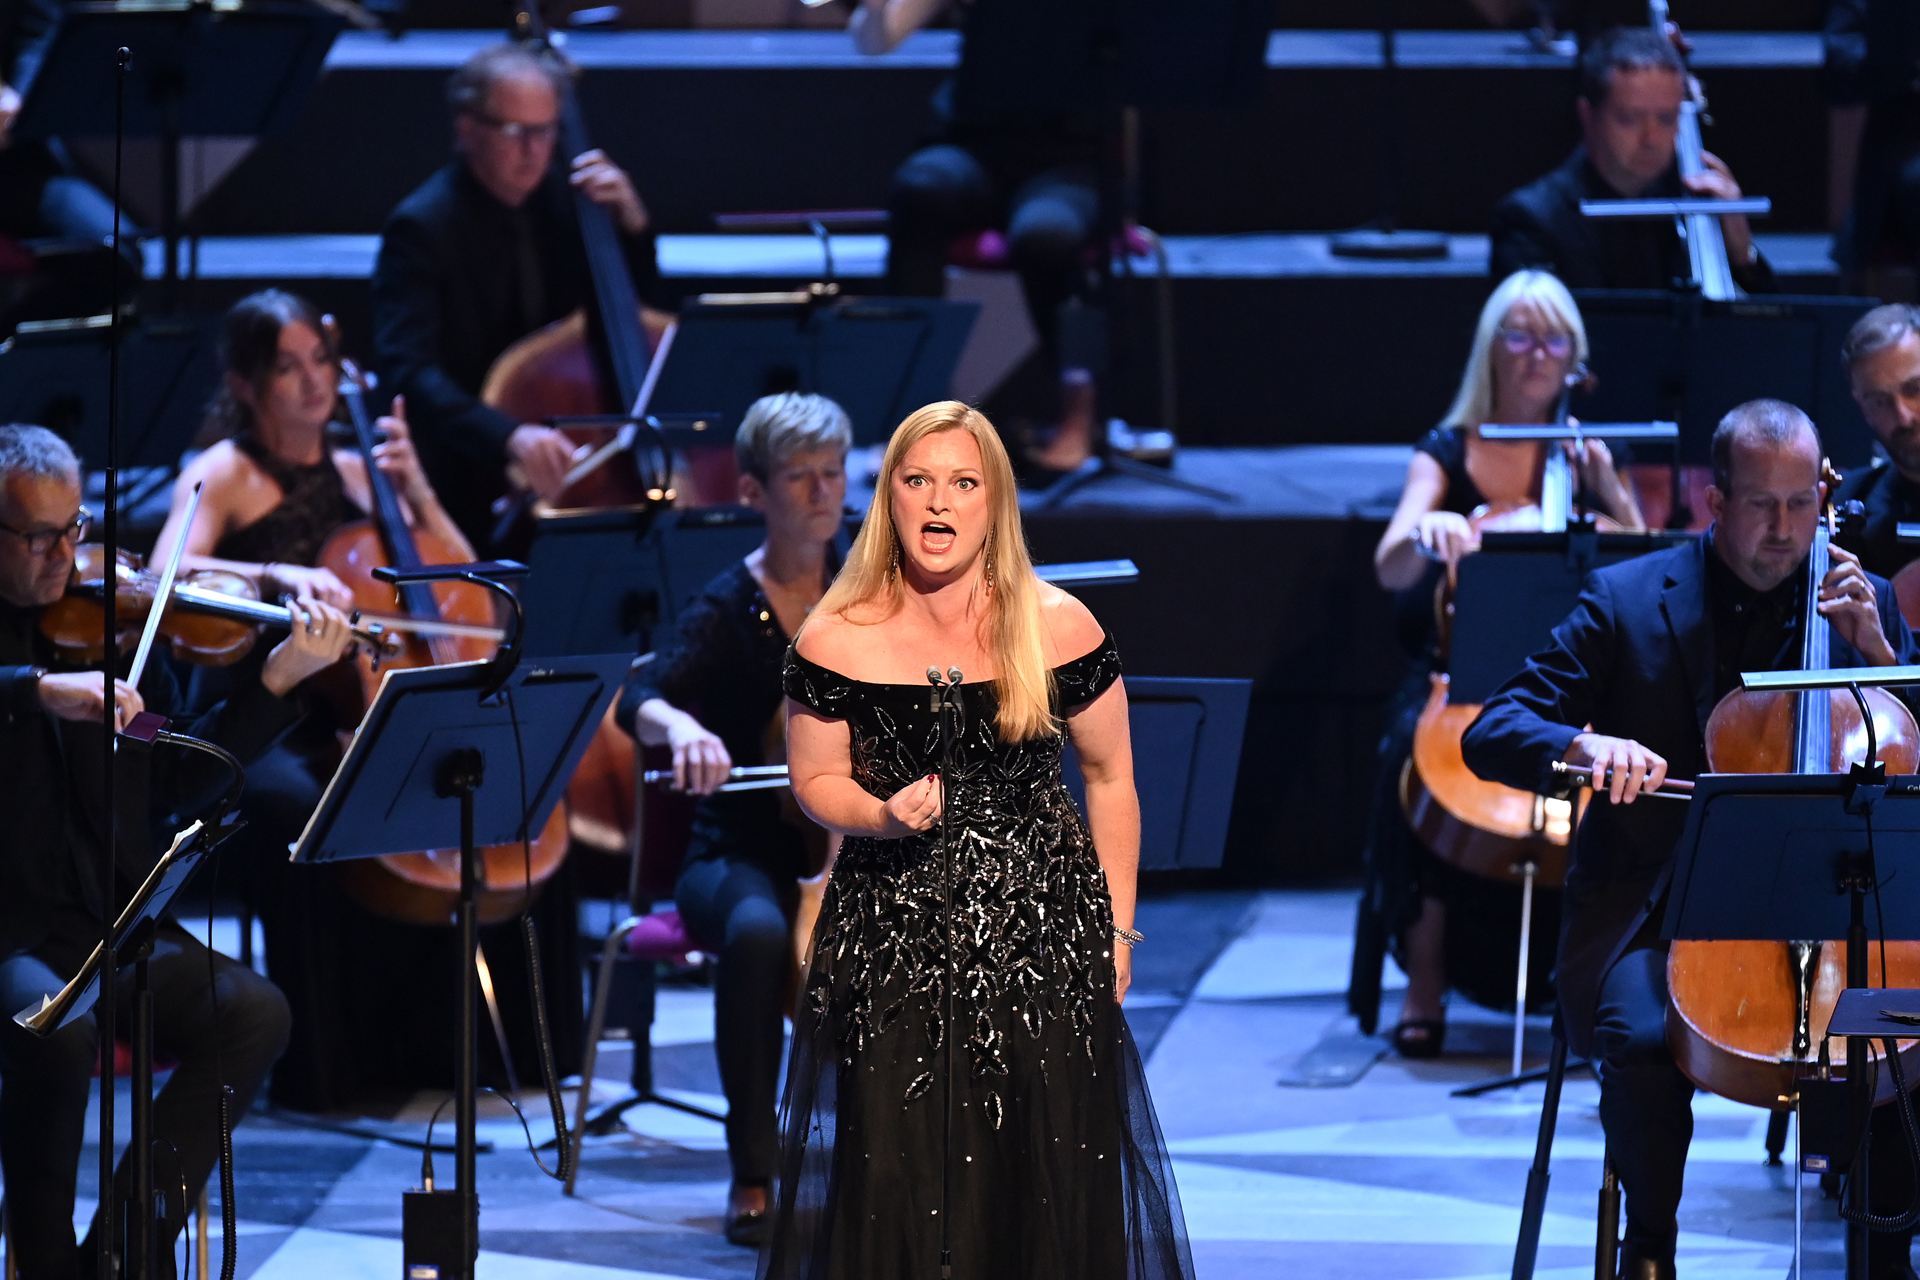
[1626,685]
[739,890]
[1530,337]
[1882,352]
[52,901]
[483,253]
[1632,84]
[274,489]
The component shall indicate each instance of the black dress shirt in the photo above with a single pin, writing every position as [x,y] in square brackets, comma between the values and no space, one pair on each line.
[459,279]
[53,841]
[1890,499]
[1752,630]
[1541,226]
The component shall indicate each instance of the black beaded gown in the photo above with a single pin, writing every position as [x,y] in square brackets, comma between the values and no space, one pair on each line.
[1057,1165]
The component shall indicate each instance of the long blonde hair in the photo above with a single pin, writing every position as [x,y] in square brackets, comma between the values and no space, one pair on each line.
[871,575]
[1473,403]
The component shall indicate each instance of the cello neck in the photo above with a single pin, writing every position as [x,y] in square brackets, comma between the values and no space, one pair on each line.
[1706,246]
[1813,712]
[388,518]
[614,302]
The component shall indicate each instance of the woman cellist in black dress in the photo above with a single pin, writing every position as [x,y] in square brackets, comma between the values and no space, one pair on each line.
[1530,337]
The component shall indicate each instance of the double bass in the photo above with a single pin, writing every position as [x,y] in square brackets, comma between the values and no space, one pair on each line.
[424,887]
[1746,1019]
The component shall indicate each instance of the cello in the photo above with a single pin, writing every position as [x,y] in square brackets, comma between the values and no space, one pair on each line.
[1747,1019]
[424,887]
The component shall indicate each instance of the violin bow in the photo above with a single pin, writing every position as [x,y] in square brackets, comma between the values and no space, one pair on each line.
[165,591]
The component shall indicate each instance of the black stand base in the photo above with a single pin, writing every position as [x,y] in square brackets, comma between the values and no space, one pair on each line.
[1479,1087]
[1099,467]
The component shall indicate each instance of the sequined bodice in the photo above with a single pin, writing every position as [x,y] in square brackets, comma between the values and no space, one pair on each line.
[1031,918]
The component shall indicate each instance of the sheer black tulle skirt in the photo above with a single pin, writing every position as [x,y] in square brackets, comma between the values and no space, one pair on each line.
[1057,1166]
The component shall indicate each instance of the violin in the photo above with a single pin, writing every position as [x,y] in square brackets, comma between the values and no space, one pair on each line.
[1747,1018]
[424,887]
[212,618]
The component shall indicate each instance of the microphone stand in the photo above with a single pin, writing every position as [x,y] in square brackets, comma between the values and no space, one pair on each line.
[1384,238]
[944,702]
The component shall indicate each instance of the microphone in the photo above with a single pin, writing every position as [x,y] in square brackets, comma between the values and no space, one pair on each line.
[953,675]
[933,677]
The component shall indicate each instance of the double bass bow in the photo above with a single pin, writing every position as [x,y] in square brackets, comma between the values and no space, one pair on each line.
[424,887]
[1746,1019]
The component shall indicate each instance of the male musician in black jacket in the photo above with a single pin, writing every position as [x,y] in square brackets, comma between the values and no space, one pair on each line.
[483,253]
[1882,352]
[1652,646]
[52,849]
[1632,83]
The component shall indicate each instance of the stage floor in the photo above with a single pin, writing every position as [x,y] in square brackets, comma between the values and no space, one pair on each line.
[1388,1177]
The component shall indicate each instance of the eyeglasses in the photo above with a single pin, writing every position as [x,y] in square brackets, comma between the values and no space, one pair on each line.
[1519,342]
[41,541]
[518,132]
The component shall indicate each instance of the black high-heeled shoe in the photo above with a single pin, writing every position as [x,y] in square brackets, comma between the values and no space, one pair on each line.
[1420,1037]
[747,1227]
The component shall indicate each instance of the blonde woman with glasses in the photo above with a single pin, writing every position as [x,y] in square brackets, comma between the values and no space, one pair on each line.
[1529,339]
[963,1096]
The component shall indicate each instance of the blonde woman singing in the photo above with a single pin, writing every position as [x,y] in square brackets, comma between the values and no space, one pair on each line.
[963,1092]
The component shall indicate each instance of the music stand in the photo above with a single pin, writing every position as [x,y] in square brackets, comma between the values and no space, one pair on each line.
[1186,752]
[433,735]
[199,70]
[878,358]
[1675,356]
[54,374]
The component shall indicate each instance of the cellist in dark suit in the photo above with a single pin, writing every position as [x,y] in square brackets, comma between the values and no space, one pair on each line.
[1652,646]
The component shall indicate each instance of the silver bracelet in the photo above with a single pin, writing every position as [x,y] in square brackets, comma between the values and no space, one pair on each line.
[1128,936]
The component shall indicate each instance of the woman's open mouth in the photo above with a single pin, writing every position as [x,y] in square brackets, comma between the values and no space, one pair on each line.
[936,538]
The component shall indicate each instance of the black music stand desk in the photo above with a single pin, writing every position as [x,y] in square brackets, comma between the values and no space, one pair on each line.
[1797,856]
[433,766]
[1186,756]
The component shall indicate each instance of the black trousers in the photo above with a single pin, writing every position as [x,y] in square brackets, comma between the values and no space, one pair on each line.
[1646,1108]
[229,1029]
[42,198]
[1050,218]
[737,909]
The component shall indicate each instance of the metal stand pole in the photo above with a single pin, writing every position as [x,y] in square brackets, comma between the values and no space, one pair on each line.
[1527,871]
[460,776]
[1859,1076]
[1606,1250]
[1798,1165]
[140,1216]
[1533,1210]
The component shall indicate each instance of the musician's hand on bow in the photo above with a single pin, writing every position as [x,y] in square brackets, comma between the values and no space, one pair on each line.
[302,583]
[79,695]
[608,186]
[545,457]
[913,808]
[1446,536]
[1634,770]
[1717,183]
[700,759]
[318,637]
[1847,600]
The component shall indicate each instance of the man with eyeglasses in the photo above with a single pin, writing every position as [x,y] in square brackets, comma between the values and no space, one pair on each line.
[1632,83]
[483,253]
[52,848]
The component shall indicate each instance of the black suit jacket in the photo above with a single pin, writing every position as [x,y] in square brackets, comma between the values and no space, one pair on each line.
[53,841]
[447,302]
[1634,659]
[1541,226]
